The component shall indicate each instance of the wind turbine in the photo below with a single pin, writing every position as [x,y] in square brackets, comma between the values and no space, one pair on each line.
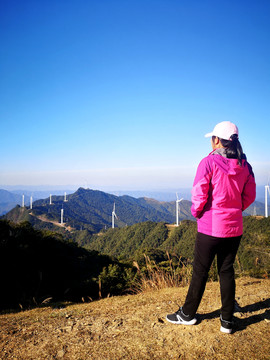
[266,205]
[62,217]
[177,209]
[113,216]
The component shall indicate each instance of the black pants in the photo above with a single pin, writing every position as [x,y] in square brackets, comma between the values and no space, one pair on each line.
[206,247]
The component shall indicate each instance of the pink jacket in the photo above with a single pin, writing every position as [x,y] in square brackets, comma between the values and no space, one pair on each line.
[221,191]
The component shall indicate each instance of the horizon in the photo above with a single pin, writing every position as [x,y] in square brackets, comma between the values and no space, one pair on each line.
[120,94]
[162,194]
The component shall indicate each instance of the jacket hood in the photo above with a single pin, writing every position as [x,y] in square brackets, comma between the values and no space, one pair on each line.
[227,165]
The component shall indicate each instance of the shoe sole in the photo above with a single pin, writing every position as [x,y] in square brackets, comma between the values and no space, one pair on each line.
[183,322]
[225,331]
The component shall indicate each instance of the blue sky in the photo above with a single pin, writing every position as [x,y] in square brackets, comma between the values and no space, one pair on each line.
[118,94]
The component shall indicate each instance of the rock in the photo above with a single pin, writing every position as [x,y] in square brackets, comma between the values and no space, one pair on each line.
[60,353]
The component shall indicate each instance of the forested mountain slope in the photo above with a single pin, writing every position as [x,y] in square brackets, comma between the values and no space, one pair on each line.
[131,242]
[92,210]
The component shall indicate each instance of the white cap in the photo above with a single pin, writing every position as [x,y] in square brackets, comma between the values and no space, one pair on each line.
[224,130]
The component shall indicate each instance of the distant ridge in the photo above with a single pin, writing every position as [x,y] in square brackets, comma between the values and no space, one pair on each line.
[9,200]
[92,210]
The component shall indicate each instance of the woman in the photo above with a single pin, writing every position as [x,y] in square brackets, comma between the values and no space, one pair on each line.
[224,186]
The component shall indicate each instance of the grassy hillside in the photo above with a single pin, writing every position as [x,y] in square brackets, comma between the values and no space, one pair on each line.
[134,327]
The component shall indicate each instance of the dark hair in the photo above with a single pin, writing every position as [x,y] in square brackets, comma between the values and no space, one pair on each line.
[233,148]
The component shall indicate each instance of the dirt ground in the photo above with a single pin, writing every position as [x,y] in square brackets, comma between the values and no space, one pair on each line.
[134,327]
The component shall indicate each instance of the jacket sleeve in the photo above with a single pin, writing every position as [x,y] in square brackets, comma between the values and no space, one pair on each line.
[201,186]
[249,191]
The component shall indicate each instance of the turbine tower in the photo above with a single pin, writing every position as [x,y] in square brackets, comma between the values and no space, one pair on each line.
[113,216]
[65,197]
[31,202]
[62,216]
[23,201]
[50,199]
[177,209]
[266,205]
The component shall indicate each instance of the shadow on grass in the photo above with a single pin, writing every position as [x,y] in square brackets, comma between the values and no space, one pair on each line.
[53,305]
[243,323]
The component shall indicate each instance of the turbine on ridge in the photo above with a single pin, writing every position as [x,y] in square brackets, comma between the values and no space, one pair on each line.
[177,209]
[62,217]
[113,216]
[266,205]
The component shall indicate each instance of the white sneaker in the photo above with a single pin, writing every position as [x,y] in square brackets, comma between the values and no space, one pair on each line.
[180,318]
[226,326]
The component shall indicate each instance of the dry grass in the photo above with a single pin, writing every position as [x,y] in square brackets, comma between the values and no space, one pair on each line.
[134,327]
[155,277]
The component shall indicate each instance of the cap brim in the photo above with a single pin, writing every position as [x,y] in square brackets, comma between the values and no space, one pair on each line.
[208,134]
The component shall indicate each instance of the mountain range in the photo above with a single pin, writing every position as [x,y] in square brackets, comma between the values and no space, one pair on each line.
[9,200]
[91,210]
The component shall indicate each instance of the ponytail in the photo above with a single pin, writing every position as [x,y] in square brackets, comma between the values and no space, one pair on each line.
[233,148]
